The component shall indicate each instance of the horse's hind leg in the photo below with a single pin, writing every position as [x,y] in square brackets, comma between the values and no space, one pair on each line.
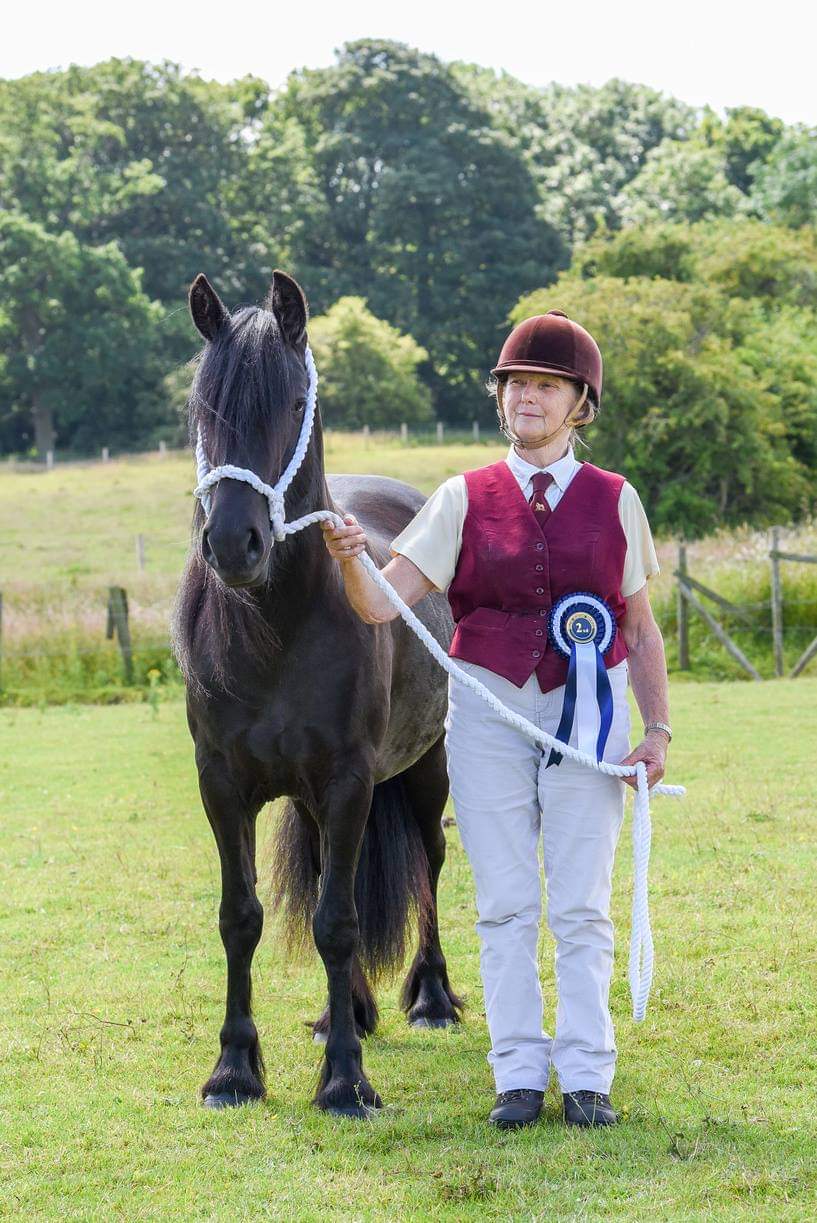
[363,1003]
[427,996]
[238,1076]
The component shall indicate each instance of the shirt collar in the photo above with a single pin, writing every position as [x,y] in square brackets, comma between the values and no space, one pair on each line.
[562,470]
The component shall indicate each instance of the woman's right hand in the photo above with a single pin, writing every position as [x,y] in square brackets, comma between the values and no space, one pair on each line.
[346,542]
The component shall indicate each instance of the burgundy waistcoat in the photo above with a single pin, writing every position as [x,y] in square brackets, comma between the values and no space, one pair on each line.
[511,570]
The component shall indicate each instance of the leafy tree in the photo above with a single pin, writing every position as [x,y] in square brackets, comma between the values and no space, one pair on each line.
[785,185]
[751,258]
[690,413]
[582,144]
[681,181]
[132,152]
[78,342]
[368,369]
[744,257]
[419,205]
[749,136]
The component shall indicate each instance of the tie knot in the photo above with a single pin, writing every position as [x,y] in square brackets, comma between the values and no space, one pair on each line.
[542,481]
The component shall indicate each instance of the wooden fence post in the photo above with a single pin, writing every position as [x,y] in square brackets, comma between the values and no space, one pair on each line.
[476,430]
[804,659]
[118,623]
[140,551]
[366,435]
[106,454]
[404,433]
[777,600]
[162,449]
[682,611]
[439,430]
[721,634]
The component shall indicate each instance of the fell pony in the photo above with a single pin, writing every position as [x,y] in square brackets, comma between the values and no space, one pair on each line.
[290,694]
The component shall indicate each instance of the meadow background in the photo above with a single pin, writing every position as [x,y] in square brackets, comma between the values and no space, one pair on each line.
[112,988]
[424,206]
[70,533]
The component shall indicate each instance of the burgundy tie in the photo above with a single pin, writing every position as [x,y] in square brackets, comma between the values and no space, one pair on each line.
[537,500]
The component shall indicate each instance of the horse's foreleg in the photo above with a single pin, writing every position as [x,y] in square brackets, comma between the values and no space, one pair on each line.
[238,1076]
[343,1088]
[427,996]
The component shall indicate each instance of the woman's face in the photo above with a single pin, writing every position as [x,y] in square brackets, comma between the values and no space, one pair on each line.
[535,405]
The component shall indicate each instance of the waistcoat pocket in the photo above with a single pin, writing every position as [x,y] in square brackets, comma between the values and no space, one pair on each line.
[486,617]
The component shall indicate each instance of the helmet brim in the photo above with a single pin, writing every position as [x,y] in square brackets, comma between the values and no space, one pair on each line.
[530,367]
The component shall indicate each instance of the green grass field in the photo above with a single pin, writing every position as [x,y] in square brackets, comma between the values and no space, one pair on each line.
[113,986]
[67,534]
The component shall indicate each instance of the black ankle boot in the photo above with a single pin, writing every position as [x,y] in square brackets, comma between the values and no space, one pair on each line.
[588,1108]
[516,1108]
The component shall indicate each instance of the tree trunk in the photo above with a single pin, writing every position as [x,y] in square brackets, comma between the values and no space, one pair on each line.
[44,433]
[41,414]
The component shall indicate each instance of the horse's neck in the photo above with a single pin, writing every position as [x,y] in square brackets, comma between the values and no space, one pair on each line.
[309,573]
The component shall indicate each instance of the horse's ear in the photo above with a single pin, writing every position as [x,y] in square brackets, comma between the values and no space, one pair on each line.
[287,302]
[206,307]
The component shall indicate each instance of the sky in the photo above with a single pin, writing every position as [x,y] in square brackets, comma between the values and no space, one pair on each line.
[724,54]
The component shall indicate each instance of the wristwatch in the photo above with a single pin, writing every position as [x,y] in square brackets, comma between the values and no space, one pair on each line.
[659,726]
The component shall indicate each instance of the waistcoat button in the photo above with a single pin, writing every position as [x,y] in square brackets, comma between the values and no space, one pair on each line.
[539,568]
[539,547]
[535,653]
[539,632]
[543,611]
[540,590]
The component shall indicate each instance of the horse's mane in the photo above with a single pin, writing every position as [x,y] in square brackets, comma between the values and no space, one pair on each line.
[241,400]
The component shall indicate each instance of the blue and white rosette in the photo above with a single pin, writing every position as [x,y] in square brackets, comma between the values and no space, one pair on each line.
[582,627]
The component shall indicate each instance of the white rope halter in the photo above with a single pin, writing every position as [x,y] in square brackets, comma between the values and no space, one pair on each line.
[641,944]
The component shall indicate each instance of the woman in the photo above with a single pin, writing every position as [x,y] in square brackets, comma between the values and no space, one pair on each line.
[506,542]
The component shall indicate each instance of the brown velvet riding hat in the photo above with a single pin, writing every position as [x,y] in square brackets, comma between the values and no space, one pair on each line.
[553,344]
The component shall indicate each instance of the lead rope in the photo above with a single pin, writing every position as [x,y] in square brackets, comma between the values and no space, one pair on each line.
[641,944]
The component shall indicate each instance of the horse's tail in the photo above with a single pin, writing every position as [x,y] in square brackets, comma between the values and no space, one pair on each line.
[392,886]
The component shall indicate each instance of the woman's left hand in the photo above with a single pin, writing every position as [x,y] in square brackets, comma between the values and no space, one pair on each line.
[653,751]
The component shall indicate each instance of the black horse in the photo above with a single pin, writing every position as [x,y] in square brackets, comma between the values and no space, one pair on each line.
[290,693]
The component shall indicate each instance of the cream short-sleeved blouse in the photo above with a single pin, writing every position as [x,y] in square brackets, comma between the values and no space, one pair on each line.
[433,538]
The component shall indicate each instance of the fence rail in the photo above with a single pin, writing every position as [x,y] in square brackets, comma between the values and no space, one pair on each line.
[694,599]
[687,599]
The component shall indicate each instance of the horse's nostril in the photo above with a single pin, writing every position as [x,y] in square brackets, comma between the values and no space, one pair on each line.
[206,550]
[254,546]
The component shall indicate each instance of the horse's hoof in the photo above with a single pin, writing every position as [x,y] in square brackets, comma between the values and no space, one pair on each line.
[227,1099]
[360,1112]
[320,1038]
[424,1022]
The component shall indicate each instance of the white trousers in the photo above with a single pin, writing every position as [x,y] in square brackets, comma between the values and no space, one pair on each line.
[505,800]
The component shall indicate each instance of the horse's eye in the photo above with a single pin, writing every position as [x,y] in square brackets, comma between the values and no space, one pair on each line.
[299,405]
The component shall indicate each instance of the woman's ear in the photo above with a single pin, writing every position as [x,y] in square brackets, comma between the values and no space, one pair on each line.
[584,411]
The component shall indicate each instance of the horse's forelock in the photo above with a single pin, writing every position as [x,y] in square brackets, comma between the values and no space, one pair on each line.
[242,388]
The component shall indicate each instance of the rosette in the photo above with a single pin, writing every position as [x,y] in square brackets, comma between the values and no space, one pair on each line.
[582,627]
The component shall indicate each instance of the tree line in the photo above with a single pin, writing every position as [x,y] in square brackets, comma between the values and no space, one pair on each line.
[423,206]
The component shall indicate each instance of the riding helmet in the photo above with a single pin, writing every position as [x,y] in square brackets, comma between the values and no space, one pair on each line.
[553,344]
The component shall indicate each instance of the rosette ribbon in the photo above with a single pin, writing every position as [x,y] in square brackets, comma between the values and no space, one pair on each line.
[582,628]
